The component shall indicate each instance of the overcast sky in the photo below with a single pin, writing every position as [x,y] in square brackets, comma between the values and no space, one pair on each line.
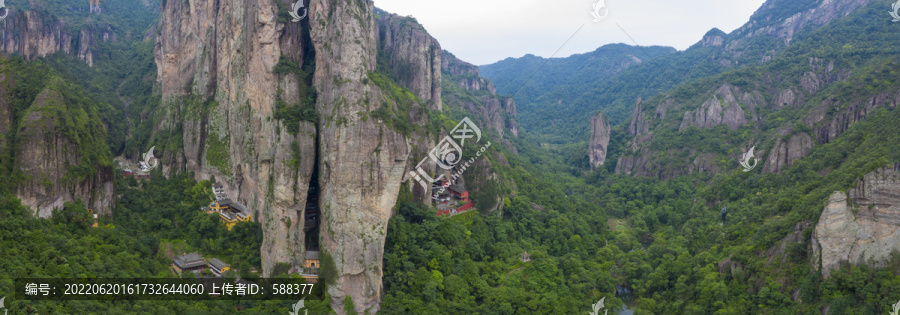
[485,31]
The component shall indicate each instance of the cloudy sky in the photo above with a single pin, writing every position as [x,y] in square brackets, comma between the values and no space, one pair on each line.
[485,31]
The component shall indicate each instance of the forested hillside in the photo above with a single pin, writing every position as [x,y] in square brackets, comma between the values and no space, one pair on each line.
[692,232]
[558,117]
[537,81]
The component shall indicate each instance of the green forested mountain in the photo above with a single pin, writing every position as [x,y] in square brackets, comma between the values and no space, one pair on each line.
[559,118]
[535,81]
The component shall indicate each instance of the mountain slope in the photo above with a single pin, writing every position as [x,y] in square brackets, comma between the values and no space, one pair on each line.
[806,96]
[63,116]
[558,118]
[532,78]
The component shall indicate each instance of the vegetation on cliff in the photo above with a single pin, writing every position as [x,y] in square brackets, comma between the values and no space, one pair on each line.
[65,111]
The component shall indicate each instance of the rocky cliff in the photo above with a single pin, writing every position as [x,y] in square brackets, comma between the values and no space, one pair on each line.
[95,6]
[817,92]
[411,55]
[477,95]
[229,69]
[787,150]
[721,109]
[772,20]
[597,148]
[861,227]
[6,120]
[62,154]
[362,161]
[641,161]
[37,33]
[215,63]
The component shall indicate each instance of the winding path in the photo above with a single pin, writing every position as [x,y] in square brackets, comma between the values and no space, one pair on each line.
[509,273]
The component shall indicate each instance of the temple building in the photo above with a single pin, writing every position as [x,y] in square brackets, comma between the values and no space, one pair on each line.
[189,262]
[230,212]
[311,266]
[219,191]
[218,267]
[460,193]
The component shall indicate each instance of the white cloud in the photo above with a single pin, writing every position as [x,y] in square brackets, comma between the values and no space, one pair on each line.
[484,31]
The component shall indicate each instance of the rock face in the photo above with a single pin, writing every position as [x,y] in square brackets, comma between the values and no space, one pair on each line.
[6,118]
[722,109]
[715,37]
[847,114]
[785,28]
[216,68]
[362,161]
[48,152]
[728,105]
[95,6]
[869,235]
[770,20]
[785,153]
[413,56]
[639,123]
[28,34]
[497,112]
[597,148]
[215,63]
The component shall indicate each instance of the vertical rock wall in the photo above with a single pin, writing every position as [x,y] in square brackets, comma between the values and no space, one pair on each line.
[861,227]
[362,160]
[597,148]
[215,63]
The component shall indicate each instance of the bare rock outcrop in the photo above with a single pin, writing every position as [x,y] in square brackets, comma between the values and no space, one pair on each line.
[362,161]
[6,118]
[639,123]
[847,114]
[786,98]
[215,63]
[47,155]
[715,37]
[597,148]
[722,109]
[95,6]
[31,35]
[786,27]
[497,112]
[413,56]
[512,123]
[785,153]
[862,228]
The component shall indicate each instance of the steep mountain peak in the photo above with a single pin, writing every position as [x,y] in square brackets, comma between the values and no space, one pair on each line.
[715,37]
[784,18]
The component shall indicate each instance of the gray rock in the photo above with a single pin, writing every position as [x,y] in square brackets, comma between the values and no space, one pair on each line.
[868,236]
[413,56]
[31,35]
[722,109]
[44,155]
[597,148]
[784,154]
[639,123]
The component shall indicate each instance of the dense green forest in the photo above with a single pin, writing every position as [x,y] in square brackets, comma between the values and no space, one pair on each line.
[560,114]
[534,81]
[587,234]
[153,220]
